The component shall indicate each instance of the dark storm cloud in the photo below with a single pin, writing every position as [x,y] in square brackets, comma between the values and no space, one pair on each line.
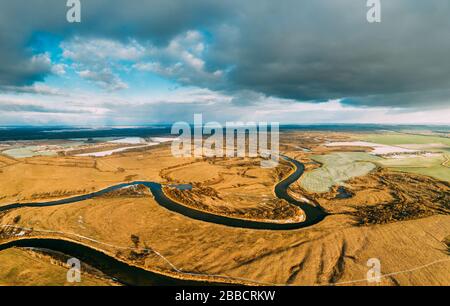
[31,108]
[428,99]
[320,50]
[305,50]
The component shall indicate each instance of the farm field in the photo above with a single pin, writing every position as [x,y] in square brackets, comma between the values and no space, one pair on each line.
[336,169]
[391,138]
[434,166]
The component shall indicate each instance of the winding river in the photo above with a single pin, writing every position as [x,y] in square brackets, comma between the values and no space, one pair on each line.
[135,276]
[120,271]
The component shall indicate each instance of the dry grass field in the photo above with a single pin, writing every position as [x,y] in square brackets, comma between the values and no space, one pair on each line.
[401,219]
[24,267]
[45,178]
[334,251]
[239,188]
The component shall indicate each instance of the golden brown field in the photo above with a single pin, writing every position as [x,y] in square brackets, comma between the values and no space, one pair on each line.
[401,219]
[25,267]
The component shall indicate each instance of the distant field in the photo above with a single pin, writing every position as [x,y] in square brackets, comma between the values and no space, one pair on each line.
[399,139]
[436,166]
[336,169]
[431,166]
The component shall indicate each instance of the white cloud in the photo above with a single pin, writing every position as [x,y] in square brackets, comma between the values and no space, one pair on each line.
[105,78]
[41,60]
[98,60]
[76,108]
[59,69]
[94,50]
[36,88]
[103,60]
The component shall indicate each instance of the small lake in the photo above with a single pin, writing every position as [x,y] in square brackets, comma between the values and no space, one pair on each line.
[343,193]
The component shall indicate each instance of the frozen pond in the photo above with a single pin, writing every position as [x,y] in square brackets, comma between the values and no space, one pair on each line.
[378,149]
[129,140]
[29,151]
[110,152]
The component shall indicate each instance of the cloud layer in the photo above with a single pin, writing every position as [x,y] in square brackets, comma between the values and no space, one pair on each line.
[251,51]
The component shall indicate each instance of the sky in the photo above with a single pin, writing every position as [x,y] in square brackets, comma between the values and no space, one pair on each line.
[143,62]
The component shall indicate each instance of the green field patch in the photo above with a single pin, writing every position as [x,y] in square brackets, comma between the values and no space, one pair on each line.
[337,168]
[28,151]
[399,139]
[434,166]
